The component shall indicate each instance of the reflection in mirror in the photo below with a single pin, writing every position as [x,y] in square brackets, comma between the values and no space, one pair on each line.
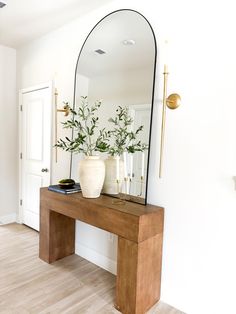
[117,66]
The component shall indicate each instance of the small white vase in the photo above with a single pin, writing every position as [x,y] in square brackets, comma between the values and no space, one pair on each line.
[110,183]
[91,176]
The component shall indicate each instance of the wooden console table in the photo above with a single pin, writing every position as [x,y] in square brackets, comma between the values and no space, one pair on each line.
[140,232]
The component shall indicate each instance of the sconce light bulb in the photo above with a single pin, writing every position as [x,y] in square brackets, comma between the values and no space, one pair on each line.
[165,52]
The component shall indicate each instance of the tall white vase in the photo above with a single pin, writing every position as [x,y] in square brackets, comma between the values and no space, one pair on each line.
[91,176]
[110,183]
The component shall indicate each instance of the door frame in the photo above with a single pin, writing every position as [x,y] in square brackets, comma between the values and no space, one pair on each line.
[45,85]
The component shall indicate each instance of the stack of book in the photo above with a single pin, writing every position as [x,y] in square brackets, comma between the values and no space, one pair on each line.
[57,188]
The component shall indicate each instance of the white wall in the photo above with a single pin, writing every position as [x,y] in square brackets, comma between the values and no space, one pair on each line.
[197,188]
[8,135]
[123,87]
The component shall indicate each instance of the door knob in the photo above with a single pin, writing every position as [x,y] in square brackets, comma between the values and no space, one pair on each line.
[44,170]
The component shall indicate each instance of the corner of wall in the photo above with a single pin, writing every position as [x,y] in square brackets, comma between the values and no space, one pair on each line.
[7,219]
[95,257]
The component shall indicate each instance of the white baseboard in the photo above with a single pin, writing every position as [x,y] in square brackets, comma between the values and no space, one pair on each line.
[96,258]
[7,219]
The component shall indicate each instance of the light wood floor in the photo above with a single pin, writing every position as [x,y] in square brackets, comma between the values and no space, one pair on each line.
[71,285]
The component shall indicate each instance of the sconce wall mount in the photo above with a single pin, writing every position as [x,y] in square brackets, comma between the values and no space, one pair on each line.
[173,101]
[66,110]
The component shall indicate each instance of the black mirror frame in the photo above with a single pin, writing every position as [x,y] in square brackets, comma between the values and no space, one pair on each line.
[153,86]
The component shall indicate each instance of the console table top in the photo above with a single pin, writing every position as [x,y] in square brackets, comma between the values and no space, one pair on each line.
[132,221]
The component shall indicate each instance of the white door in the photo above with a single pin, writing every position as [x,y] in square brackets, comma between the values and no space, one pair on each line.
[35,133]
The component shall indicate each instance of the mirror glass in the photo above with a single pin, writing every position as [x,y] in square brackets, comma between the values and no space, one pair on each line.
[117,66]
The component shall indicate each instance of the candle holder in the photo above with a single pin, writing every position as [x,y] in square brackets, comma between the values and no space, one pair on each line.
[126,185]
[141,185]
[130,182]
[119,200]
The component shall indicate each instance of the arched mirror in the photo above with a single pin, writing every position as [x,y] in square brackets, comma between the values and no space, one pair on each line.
[117,66]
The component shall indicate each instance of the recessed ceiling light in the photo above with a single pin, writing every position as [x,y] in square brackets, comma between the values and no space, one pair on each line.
[100,51]
[2,4]
[128,42]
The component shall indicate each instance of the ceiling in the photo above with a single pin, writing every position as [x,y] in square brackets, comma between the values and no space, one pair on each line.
[109,36]
[24,20]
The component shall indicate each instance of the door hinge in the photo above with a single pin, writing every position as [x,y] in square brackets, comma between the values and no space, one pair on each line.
[21,202]
[21,156]
[21,107]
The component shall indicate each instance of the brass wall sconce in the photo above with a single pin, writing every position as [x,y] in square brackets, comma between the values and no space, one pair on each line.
[66,110]
[173,101]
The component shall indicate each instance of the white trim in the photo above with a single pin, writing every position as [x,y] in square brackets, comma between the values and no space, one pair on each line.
[20,213]
[96,258]
[45,85]
[8,219]
[48,84]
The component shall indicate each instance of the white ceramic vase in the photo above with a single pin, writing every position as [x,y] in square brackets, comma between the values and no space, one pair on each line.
[110,183]
[91,176]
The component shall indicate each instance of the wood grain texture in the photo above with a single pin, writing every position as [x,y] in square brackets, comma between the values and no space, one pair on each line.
[57,235]
[138,274]
[131,221]
[149,272]
[140,232]
[126,281]
[71,285]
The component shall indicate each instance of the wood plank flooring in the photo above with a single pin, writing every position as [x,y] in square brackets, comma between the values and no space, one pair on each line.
[71,285]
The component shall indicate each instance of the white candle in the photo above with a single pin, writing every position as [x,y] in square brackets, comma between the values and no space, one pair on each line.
[131,166]
[142,170]
[125,165]
[55,80]
[165,53]
[117,168]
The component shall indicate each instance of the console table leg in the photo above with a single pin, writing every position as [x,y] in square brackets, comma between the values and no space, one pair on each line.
[57,235]
[138,274]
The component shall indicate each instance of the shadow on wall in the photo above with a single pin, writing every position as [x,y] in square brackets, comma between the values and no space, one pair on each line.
[234,178]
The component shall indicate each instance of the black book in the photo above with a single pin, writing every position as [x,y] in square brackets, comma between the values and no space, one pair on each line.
[56,188]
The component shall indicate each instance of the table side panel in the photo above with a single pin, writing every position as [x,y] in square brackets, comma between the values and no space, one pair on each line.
[114,221]
[151,224]
[44,234]
[149,272]
[126,279]
[57,235]
[138,274]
